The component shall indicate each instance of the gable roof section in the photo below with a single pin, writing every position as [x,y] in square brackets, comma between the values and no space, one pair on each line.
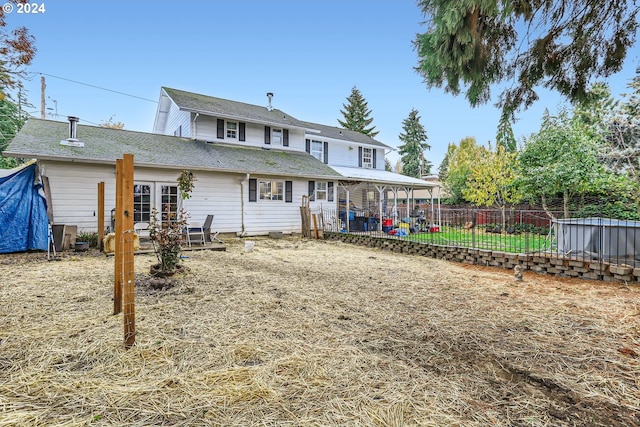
[332,132]
[41,139]
[219,107]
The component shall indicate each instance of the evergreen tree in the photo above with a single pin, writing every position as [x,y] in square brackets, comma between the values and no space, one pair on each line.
[505,137]
[387,165]
[356,114]
[414,141]
[11,120]
[622,153]
[562,45]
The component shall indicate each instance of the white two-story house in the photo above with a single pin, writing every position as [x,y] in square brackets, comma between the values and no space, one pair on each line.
[364,189]
[254,166]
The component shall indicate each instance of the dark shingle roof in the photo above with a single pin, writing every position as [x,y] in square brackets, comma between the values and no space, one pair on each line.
[41,139]
[239,110]
[232,109]
[341,134]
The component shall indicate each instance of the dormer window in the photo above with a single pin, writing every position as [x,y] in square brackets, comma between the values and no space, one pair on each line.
[317,150]
[276,136]
[232,130]
[367,158]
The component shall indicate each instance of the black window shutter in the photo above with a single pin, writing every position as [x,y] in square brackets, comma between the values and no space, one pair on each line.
[267,134]
[326,152]
[285,137]
[307,145]
[330,191]
[220,129]
[253,189]
[312,191]
[288,191]
[242,132]
[374,158]
[359,157]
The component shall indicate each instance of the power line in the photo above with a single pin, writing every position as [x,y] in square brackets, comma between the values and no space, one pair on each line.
[99,87]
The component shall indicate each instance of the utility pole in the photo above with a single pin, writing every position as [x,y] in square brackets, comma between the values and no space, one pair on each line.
[42,103]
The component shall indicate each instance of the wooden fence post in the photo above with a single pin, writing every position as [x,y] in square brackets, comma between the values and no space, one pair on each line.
[127,249]
[117,270]
[100,215]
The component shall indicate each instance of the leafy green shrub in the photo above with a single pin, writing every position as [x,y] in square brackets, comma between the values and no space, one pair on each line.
[90,237]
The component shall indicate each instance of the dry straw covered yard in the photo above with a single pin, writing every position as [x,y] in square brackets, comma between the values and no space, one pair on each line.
[314,333]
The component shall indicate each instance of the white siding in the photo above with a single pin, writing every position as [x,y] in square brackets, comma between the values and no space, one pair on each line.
[206,129]
[74,189]
[340,155]
[177,118]
[264,216]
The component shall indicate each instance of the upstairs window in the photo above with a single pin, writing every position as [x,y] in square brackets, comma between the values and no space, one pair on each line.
[232,130]
[367,158]
[276,136]
[317,150]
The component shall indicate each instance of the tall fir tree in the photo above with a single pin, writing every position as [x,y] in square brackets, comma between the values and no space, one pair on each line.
[470,46]
[504,136]
[356,114]
[414,138]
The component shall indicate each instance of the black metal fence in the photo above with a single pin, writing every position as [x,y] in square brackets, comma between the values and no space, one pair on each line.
[593,238]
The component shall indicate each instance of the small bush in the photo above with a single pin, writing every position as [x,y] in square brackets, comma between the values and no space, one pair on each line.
[91,237]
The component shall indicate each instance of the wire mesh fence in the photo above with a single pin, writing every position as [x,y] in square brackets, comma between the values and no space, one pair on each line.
[586,234]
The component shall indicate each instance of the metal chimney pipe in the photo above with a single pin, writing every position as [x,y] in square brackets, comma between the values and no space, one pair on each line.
[73,122]
[270,97]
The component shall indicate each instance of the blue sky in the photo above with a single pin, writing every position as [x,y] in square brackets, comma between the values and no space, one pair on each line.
[308,53]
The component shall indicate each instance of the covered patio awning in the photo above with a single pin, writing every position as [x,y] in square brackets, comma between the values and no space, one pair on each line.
[382,177]
[384,182]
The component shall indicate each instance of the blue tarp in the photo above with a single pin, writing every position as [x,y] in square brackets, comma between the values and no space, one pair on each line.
[24,223]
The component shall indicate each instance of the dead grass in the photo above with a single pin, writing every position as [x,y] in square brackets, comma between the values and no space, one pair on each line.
[306,333]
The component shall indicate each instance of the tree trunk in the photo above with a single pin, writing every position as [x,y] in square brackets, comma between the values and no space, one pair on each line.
[546,208]
[565,203]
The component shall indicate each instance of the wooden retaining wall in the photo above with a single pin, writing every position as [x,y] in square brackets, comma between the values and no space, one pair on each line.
[539,263]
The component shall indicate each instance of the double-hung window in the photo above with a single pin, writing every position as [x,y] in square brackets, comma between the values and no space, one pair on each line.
[367,158]
[317,150]
[271,190]
[276,136]
[232,130]
[321,190]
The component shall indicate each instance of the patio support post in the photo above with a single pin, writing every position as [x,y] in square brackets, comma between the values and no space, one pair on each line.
[346,218]
[409,191]
[395,203]
[381,189]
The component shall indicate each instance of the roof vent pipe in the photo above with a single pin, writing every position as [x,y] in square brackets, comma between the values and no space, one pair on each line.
[270,97]
[73,122]
[72,140]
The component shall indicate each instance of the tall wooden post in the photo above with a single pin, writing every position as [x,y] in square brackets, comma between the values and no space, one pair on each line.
[127,249]
[100,215]
[117,282]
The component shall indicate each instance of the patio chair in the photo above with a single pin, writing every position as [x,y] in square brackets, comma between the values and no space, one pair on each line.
[195,229]
[209,236]
[142,230]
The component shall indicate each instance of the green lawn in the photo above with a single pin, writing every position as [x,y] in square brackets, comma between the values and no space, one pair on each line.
[480,239]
